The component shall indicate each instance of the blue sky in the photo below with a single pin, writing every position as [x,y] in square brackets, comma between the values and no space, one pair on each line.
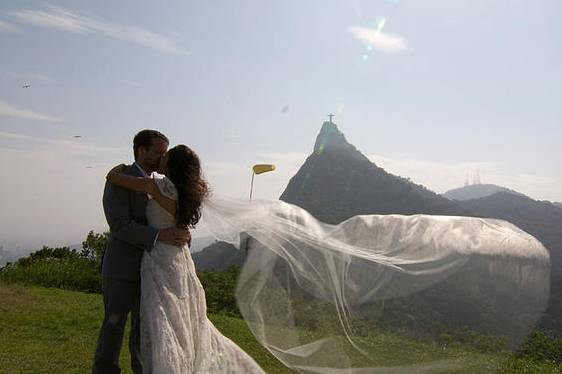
[431,90]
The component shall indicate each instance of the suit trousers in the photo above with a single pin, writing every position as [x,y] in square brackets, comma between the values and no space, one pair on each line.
[119,298]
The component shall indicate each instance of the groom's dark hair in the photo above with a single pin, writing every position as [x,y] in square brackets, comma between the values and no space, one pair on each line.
[144,139]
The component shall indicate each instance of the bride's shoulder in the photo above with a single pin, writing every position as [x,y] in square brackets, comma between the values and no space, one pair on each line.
[166,187]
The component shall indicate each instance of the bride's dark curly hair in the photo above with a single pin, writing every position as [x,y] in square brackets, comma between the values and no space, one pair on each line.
[184,170]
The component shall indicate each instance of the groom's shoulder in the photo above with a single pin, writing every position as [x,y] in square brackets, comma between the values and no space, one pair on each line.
[129,168]
[112,191]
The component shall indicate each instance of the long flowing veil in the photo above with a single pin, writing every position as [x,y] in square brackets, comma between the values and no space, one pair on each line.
[382,293]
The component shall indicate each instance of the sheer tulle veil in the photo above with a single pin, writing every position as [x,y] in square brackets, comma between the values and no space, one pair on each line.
[382,293]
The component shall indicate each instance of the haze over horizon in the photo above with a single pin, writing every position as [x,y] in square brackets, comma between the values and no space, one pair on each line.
[431,92]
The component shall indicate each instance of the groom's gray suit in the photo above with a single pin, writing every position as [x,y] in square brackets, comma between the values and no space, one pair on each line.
[129,237]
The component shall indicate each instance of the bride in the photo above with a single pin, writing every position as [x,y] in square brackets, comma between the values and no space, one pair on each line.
[176,335]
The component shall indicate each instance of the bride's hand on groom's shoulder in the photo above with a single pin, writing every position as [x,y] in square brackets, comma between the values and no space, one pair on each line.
[174,236]
[117,169]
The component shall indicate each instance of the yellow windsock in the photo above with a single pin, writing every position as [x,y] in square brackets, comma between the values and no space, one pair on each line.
[263,168]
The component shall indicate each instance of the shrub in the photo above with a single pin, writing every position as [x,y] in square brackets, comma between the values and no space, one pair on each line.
[220,289]
[80,271]
[541,347]
[94,246]
[466,337]
[71,273]
[60,267]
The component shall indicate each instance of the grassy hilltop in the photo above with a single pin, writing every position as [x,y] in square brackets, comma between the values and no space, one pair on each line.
[51,312]
[47,330]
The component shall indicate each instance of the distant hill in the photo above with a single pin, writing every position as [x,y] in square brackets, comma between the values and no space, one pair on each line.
[541,219]
[7,256]
[558,204]
[476,191]
[218,256]
[337,182]
[200,243]
[13,254]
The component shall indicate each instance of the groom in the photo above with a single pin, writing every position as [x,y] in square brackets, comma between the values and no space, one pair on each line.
[129,238]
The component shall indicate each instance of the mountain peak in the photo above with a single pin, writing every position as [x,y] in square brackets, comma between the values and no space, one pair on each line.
[337,182]
[477,191]
[330,137]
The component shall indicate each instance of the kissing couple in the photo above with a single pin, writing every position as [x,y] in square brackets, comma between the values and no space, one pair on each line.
[148,271]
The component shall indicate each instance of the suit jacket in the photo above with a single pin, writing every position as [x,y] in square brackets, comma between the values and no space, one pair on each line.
[129,234]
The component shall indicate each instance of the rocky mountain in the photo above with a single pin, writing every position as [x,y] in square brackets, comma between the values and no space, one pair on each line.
[558,204]
[541,219]
[337,182]
[476,191]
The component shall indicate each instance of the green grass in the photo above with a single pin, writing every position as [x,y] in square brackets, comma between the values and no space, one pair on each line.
[49,330]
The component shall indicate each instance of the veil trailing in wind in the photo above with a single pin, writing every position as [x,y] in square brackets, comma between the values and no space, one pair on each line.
[382,293]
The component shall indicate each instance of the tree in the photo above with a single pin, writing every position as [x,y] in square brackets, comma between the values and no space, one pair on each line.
[94,246]
[2,255]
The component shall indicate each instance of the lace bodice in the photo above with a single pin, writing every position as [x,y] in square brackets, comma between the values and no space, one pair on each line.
[157,216]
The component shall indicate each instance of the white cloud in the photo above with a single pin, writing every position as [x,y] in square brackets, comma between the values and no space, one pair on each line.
[9,110]
[62,19]
[380,40]
[8,27]
[443,176]
[540,187]
[540,179]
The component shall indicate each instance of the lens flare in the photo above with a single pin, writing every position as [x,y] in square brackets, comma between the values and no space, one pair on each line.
[379,24]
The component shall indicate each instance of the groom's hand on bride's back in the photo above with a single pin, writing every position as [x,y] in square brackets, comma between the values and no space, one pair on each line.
[174,236]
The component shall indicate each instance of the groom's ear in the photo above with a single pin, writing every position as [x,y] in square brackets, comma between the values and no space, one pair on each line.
[141,151]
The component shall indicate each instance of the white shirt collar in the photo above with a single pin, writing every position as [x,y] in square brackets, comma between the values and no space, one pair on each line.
[141,170]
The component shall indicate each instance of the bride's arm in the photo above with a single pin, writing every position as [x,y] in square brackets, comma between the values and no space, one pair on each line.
[141,184]
[164,201]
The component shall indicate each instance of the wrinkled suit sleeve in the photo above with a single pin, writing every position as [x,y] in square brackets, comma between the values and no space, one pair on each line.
[117,209]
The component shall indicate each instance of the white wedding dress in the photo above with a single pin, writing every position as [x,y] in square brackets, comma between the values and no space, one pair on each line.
[176,335]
